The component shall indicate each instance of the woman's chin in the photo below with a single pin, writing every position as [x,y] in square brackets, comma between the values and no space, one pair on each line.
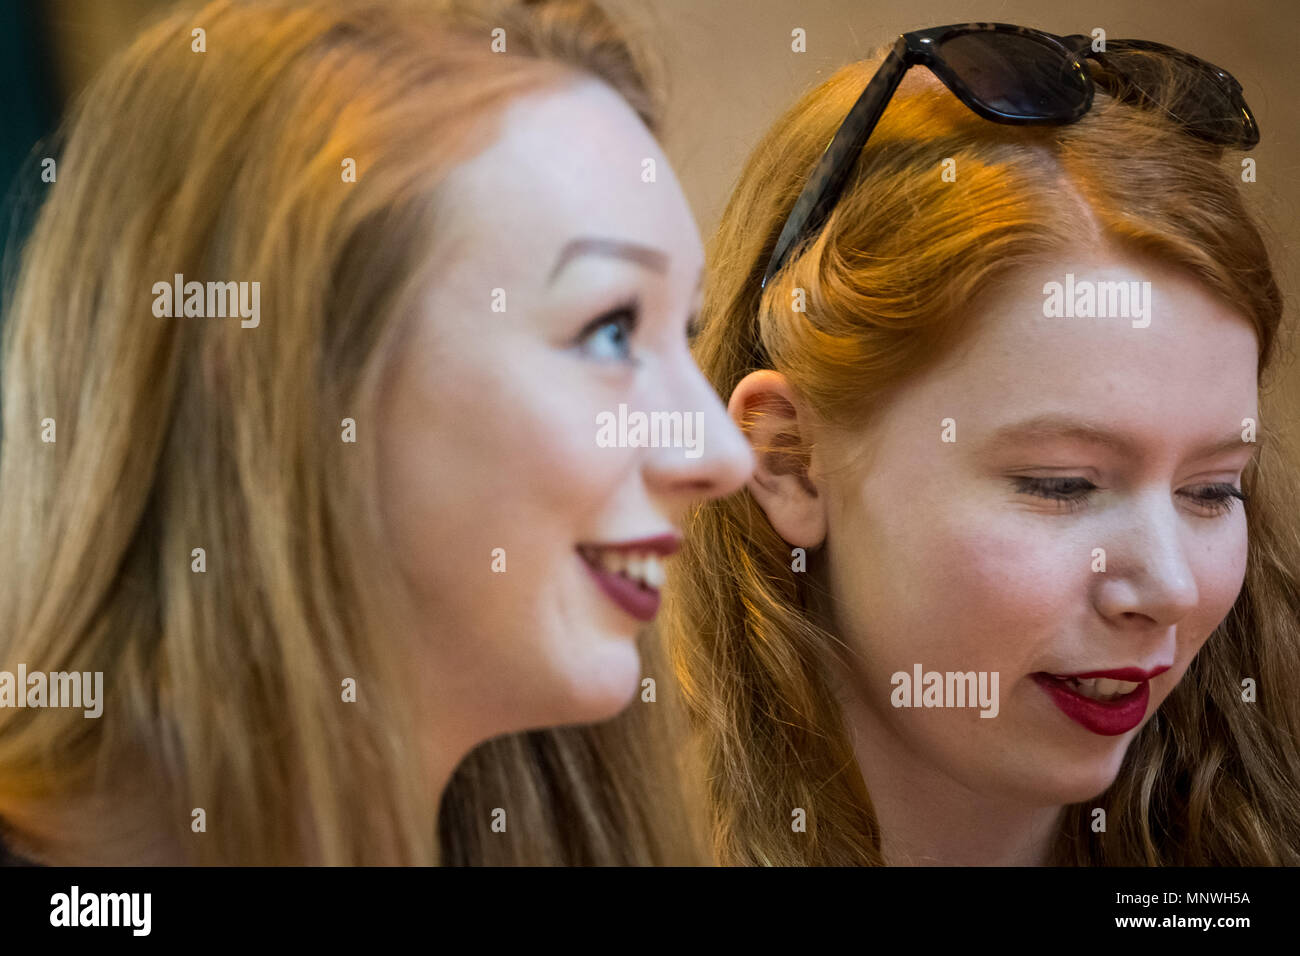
[1076,784]
[605,682]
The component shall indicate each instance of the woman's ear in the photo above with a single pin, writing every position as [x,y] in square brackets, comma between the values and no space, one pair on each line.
[767,410]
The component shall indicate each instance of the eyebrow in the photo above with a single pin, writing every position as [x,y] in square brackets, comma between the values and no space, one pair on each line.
[1044,428]
[645,256]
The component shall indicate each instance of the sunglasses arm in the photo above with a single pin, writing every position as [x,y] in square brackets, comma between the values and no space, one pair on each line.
[824,186]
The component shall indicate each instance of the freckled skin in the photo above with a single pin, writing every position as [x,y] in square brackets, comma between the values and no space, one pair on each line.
[489,419]
[939,556]
[937,559]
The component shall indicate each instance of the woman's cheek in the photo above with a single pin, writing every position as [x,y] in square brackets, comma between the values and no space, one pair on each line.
[1012,567]
[1220,572]
[1219,569]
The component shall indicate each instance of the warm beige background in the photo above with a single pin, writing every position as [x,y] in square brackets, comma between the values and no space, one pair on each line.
[731,71]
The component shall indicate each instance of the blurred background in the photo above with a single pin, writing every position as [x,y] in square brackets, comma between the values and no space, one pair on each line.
[731,72]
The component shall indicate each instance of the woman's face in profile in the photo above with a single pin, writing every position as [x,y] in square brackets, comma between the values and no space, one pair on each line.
[531,528]
[1077,521]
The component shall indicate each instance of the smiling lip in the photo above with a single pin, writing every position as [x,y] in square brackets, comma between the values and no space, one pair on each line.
[660,544]
[1133,674]
[1108,718]
[637,598]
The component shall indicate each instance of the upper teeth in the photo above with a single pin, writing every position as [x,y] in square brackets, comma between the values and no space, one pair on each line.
[643,567]
[1101,688]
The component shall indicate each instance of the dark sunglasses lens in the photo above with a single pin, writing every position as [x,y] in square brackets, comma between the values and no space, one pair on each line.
[1017,76]
[1194,93]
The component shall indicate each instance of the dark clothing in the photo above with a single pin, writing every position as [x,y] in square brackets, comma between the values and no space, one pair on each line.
[9,858]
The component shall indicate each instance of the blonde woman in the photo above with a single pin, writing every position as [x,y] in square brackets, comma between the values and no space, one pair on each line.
[324,539]
[995,594]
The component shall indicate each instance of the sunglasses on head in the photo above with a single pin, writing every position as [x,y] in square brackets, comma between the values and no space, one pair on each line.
[1021,76]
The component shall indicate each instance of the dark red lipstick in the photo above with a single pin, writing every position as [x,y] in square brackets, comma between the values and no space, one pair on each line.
[637,595]
[1108,718]
[663,545]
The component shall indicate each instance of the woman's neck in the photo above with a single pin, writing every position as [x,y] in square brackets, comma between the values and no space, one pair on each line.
[928,819]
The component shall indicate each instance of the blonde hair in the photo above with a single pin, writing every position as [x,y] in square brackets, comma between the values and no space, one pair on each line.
[223,688]
[1208,780]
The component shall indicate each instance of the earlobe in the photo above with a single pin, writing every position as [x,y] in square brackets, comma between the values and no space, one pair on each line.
[767,410]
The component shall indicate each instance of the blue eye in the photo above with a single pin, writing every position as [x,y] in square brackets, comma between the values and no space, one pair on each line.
[608,337]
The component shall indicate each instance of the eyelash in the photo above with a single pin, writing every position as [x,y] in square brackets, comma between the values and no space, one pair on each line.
[1072,492]
[693,328]
[629,313]
[626,315]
